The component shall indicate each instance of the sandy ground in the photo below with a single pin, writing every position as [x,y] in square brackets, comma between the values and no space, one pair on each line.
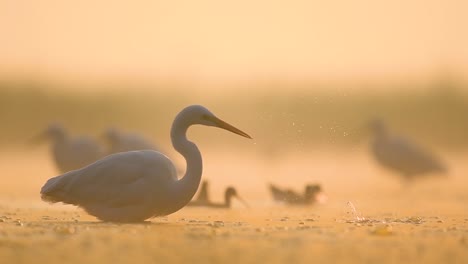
[394,223]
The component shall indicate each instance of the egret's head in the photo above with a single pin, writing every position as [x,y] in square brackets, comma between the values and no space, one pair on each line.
[54,131]
[377,126]
[230,192]
[197,114]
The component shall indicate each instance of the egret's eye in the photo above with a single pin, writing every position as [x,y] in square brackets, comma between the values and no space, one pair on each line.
[205,117]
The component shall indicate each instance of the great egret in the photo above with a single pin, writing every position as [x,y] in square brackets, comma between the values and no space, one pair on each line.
[122,142]
[312,193]
[136,185]
[228,195]
[401,155]
[70,153]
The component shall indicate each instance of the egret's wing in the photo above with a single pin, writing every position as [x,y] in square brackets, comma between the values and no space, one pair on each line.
[411,158]
[116,180]
[88,145]
[140,142]
[129,142]
[84,151]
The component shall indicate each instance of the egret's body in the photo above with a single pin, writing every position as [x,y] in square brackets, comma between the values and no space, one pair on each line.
[228,195]
[137,185]
[401,155]
[122,142]
[289,196]
[72,153]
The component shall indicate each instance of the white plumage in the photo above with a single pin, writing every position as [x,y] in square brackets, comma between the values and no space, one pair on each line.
[120,141]
[70,153]
[402,155]
[136,185]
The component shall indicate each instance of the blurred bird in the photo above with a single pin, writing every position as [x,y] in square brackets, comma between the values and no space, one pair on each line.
[203,195]
[401,155]
[70,153]
[136,185]
[312,194]
[120,142]
[228,195]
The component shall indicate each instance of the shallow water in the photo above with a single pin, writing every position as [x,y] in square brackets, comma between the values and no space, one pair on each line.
[426,222]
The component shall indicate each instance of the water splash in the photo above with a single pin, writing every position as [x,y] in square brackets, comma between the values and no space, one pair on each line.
[357,215]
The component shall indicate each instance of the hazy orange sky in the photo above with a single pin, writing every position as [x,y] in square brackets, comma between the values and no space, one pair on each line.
[213,40]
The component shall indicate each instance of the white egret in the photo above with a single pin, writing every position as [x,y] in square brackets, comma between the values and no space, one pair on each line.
[122,142]
[312,194]
[70,153]
[137,185]
[228,195]
[401,155]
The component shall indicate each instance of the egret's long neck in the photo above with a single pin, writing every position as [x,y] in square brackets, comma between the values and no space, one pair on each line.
[59,140]
[381,134]
[58,135]
[185,188]
[227,200]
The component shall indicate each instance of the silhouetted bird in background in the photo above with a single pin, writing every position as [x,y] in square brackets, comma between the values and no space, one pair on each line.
[70,153]
[203,200]
[121,142]
[203,193]
[310,196]
[401,155]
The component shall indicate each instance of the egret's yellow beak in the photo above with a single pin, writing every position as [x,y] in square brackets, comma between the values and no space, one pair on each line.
[221,124]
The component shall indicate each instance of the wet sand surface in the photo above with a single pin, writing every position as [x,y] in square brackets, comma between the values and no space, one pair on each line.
[426,222]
